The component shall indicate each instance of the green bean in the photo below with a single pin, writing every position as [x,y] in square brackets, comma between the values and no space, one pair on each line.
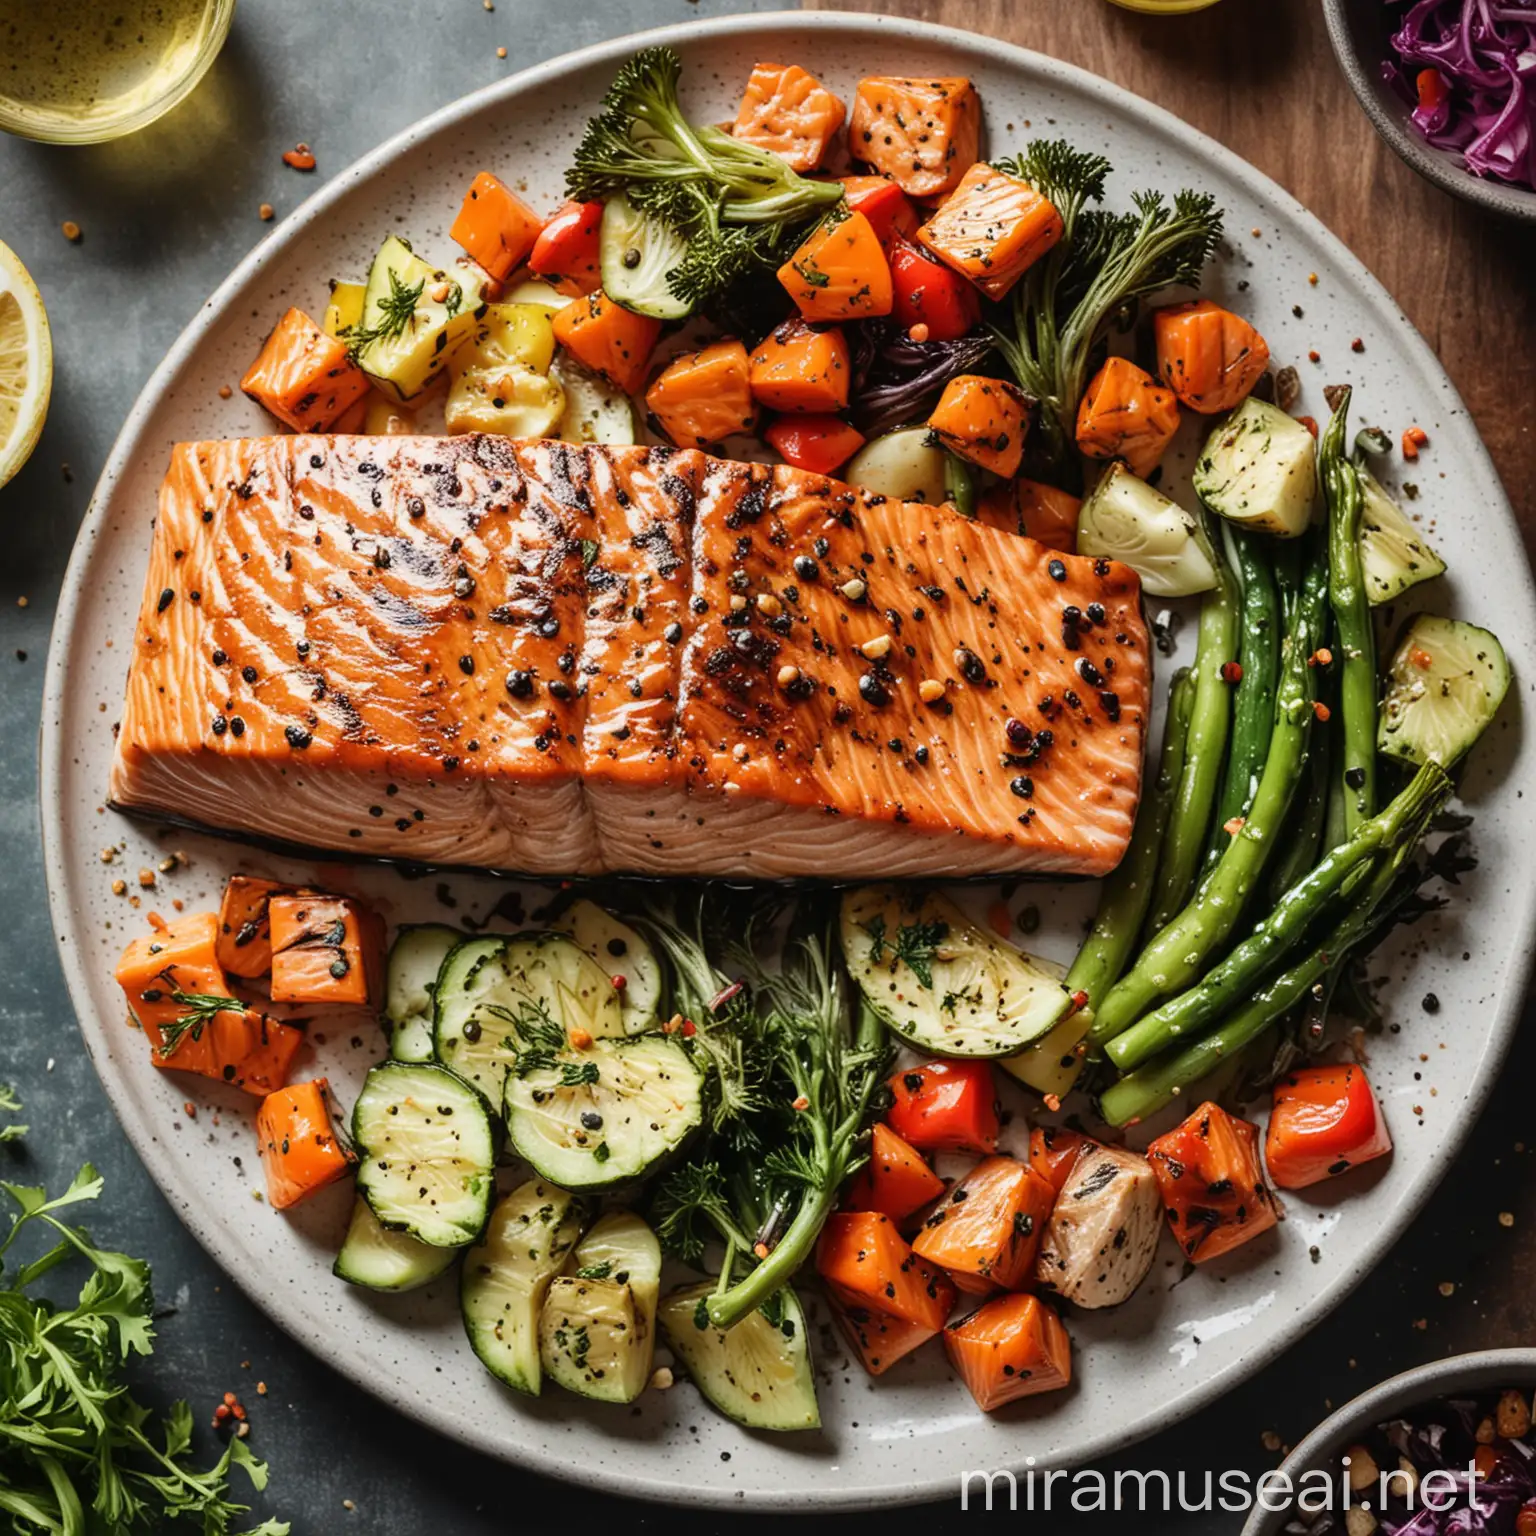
[1303,839]
[1352,619]
[1210,721]
[1144,1092]
[1258,654]
[1127,893]
[959,483]
[1279,934]
[1177,955]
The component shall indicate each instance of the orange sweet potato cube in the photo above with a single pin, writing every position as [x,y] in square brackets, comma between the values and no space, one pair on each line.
[298,1143]
[609,339]
[177,991]
[304,377]
[701,398]
[325,949]
[924,134]
[244,946]
[800,369]
[495,226]
[984,420]
[791,113]
[840,272]
[993,229]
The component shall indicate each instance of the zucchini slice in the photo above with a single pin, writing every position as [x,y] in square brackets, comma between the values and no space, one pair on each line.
[415,958]
[1394,555]
[636,255]
[595,1118]
[595,412]
[597,1332]
[939,981]
[382,1260]
[1053,1064]
[1447,680]
[406,336]
[1126,519]
[759,1373]
[506,1277]
[498,996]
[1259,469]
[620,951]
[427,1153]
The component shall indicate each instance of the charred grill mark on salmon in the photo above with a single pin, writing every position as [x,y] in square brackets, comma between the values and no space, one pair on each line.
[554,659]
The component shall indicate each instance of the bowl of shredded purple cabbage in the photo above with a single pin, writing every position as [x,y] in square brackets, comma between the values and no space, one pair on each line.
[1447,1449]
[1451,86]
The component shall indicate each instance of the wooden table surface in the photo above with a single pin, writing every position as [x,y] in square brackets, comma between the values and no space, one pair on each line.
[1259,76]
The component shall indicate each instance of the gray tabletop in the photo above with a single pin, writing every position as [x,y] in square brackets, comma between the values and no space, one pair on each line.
[165,215]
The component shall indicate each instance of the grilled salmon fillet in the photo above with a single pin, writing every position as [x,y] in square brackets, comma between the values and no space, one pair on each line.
[534,657]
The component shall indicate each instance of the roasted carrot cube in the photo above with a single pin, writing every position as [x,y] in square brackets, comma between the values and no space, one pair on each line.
[878,1338]
[1040,512]
[801,369]
[1054,1151]
[495,226]
[993,229]
[1209,357]
[1126,414]
[819,443]
[299,1146]
[1012,1347]
[304,377]
[609,339]
[986,1233]
[1211,1182]
[923,134]
[325,949]
[244,945]
[864,1254]
[896,1181]
[177,991]
[791,113]
[891,213]
[840,272]
[701,398]
[983,420]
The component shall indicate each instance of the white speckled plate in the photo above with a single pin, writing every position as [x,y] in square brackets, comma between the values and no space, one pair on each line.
[1178,1344]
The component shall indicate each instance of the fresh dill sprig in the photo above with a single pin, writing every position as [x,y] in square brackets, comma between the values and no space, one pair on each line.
[397,309]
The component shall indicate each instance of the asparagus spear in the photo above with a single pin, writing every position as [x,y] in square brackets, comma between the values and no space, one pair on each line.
[1258,654]
[1127,893]
[1144,1092]
[1177,955]
[1352,617]
[1403,821]
[1210,720]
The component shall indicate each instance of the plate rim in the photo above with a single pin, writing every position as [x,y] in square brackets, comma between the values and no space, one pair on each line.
[1519,961]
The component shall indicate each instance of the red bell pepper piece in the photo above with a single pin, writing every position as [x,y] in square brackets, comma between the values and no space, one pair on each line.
[1324,1120]
[1053,1151]
[889,210]
[945,1106]
[818,443]
[925,293]
[566,252]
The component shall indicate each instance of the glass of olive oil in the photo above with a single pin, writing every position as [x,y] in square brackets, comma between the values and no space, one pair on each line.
[80,71]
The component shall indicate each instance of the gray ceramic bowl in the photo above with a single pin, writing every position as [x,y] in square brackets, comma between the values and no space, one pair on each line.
[1359,30]
[1489,1371]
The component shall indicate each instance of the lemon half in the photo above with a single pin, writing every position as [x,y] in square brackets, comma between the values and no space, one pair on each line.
[26,363]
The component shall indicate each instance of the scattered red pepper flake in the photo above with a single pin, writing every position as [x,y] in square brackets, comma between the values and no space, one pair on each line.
[1231,671]
[1321,657]
[760,1250]
[1423,661]
[267,213]
[918,332]
[1310,423]
[300,158]
[71,231]
[1322,711]
[1314,356]
[620,983]
[1357,345]
[1079,1002]
[1414,438]
[690,1029]
[1051,1102]
[1233,825]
